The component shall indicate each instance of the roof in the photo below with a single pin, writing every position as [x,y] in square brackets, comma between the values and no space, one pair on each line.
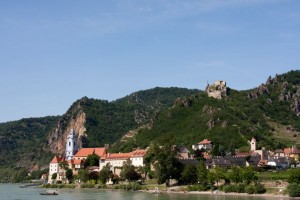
[84,152]
[125,156]
[57,159]
[278,151]
[116,156]
[138,153]
[205,141]
[77,162]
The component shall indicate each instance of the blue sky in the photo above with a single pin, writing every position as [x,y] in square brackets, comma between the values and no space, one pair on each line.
[55,52]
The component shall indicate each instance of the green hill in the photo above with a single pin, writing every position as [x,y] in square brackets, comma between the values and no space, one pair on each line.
[270,113]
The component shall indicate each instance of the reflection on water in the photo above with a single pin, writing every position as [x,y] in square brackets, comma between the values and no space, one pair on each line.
[13,192]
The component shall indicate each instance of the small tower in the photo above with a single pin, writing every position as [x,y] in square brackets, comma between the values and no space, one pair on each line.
[253,144]
[71,145]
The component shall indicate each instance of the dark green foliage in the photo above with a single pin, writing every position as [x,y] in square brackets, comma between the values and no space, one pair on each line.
[24,140]
[54,176]
[107,121]
[83,175]
[130,186]
[189,174]
[202,174]
[294,176]
[69,174]
[105,173]
[293,190]
[91,160]
[129,172]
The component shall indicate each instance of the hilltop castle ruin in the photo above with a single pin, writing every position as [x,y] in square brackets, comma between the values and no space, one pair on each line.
[217,90]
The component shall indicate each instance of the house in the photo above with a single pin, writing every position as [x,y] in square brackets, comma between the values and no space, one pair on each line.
[292,152]
[116,160]
[217,162]
[204,144]
[182,152]
[278,163]
[54,167]
[279,153]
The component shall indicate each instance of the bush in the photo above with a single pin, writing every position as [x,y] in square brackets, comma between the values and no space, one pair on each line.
[87,185]
[197,188]
[294,190]
[129,186]
[260,189]
[250,189]
[239,188]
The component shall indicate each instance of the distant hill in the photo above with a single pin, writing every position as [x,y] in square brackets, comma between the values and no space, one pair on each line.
[270,113]
[27,142]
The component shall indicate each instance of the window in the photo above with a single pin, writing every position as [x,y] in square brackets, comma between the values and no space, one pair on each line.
[69,143]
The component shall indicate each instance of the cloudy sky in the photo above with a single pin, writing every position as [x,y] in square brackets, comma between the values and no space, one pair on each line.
[55,52]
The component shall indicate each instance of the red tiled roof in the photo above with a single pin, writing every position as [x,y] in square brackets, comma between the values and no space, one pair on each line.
[138,153]
[84,152]
[57,159]
[114,156]
[77,162]
[205,141]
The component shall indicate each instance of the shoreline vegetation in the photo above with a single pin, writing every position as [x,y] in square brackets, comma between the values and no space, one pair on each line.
[274,192]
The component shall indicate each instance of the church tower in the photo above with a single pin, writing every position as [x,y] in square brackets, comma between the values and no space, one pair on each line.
[71,145]
[253,144]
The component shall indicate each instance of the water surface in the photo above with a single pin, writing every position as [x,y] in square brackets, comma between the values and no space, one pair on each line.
[13,192]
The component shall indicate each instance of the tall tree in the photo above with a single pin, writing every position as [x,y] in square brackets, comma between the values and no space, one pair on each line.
[202,173]
[105,173]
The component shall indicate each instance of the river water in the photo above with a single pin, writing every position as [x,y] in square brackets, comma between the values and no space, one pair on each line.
[14,192]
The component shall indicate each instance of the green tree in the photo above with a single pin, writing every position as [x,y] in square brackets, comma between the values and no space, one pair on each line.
[105,173]
[294,176]
[83,175]
[249,175]
[218,174]
[91,160]
[54,176]
[202,173]
[128,172]
[235,174]
[69,174]
[189,174]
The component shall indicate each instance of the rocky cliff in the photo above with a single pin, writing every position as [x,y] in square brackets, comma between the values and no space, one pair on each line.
[74,118]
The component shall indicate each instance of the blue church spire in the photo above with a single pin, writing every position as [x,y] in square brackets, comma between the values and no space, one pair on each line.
[71,145]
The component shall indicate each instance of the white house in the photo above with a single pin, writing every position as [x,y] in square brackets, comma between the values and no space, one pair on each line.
[204,144]
[116,160]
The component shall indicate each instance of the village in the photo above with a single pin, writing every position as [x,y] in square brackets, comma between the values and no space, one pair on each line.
[279,159]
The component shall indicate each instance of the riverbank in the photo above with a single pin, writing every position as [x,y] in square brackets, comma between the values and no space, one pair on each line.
[215,193]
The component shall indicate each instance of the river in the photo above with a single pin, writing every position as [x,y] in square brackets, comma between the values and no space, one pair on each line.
[14,192]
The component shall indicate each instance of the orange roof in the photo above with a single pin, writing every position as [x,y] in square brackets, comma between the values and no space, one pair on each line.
[138,153]
[57,159]
[76,162]
[205,141]
[84,152]
[119,156]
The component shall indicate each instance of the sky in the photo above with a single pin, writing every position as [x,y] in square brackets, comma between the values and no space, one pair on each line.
[55,52]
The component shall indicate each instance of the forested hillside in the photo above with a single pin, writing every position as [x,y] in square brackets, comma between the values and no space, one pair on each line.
[270,113]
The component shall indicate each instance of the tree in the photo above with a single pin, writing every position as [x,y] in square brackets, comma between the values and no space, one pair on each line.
[91,160]
[83,175]
[69,174]
[128,171]
[249,175]
[235,174]
[189,174]
[294,176]
[105,173]
[54,176]
[218,174]
[202,173]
